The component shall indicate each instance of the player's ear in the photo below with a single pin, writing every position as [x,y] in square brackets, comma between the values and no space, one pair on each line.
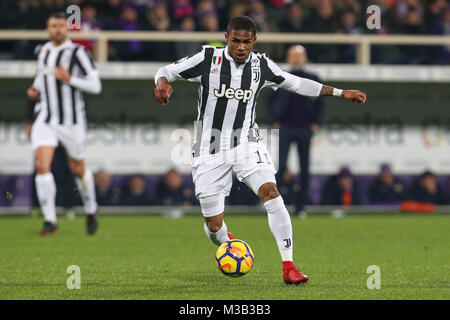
[226,35]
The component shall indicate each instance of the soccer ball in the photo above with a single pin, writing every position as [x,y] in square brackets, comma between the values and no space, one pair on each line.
[234,258]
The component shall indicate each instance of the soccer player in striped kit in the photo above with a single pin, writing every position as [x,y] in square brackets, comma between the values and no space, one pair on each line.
[226,134]
[65,71]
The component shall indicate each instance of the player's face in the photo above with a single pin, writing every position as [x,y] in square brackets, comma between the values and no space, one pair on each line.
[57,29]
[240,44]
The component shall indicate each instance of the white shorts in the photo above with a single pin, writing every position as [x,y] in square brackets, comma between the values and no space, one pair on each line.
[213,177]
[72,137]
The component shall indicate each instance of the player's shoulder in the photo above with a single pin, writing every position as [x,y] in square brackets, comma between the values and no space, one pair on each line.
[79,47]
[264,60]
[41,48]
[213,49]
[261,56]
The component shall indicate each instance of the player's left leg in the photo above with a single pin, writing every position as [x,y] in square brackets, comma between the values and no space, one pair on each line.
[258,173]
[84,179]
[73,138]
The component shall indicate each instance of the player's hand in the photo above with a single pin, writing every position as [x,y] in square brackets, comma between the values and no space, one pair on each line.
[62,74]
[32,93]
[354,95]
[314,128]
[163,91]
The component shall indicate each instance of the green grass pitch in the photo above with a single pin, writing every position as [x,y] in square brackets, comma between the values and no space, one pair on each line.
[151,257]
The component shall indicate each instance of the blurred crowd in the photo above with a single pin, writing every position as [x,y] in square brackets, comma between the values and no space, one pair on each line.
[302,16]
[340,189]
[170,190]
[345,189]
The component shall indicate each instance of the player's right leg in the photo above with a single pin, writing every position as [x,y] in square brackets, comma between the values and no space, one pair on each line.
[44,142]
[215,228]
[46,188]
[212,184]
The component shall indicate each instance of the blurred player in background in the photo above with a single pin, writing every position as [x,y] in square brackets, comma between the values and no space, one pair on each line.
[298,118]
[227,136]
[65,70]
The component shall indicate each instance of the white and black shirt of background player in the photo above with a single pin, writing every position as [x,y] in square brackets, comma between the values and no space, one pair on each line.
[230,113]
[63,103]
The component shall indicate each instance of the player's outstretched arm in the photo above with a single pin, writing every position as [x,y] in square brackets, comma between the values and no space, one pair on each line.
[353,95]
[163,91]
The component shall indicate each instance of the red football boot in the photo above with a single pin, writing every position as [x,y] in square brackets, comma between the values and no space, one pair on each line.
[230,235]
[48,229]
[291,275]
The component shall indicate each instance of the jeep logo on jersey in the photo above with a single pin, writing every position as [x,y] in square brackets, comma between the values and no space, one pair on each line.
[231,93]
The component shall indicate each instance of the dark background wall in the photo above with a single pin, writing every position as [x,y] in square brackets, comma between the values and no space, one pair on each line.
[415,104]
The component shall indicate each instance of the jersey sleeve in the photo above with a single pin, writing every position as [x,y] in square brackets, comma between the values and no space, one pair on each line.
[285,80]
[38,81]
[90,82]
[187,68]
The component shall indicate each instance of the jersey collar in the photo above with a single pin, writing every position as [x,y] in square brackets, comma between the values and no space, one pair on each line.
[66,43]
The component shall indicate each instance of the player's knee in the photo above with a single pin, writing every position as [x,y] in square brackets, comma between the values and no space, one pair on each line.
[268,191]
[42,167]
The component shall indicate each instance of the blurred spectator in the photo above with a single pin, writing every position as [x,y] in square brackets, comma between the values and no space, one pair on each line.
[428,191]
[315,16]
[210,23]
[352,5]
[171,192]
[385,54]
[257,11]
[105,193]
[128,21]
[288,187]
[109,12]
[409,12]
[347,53]
[433,13]
[293,21]
[322,21]
[298,118]
[276,9]
[204,6]
[135,193]
[386,188]
[182,9]
[238,8]
[183,49]
[410,21]
[341,189]
[89,22]
[441,54]
[158,19]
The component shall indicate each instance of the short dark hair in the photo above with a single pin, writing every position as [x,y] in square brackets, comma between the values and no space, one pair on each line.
[242,23]
[57,15]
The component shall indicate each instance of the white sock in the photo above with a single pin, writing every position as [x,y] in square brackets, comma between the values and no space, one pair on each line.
[280,225]
[218,237]
[86,187]
[46,193]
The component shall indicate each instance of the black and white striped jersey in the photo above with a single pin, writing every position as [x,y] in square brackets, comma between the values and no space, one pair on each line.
[228,92]
[63,103]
